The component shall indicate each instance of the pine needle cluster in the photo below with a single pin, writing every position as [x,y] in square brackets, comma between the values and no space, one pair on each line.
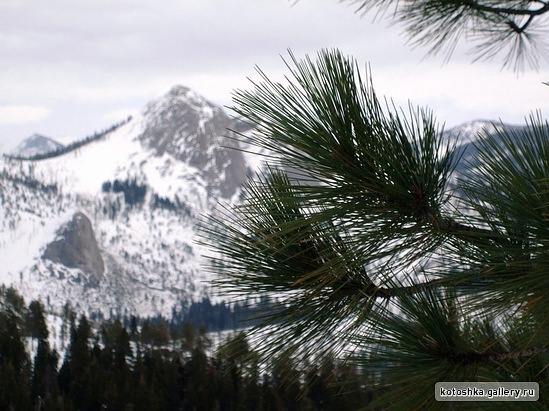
[374,248]
[513,29]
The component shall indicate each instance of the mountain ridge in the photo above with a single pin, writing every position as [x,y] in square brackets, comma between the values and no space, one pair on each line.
[142,204]
[142,186]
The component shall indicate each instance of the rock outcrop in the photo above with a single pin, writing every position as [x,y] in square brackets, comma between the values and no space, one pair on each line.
[193,130]
[77,247]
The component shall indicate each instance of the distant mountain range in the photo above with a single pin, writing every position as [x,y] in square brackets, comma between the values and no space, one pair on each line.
[109,223]
[35,145]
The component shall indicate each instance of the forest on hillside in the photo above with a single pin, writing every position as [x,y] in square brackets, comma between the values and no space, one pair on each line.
[143,365]
[72,146]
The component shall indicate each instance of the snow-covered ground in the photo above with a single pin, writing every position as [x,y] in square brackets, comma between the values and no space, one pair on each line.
[174,151]
[150,253]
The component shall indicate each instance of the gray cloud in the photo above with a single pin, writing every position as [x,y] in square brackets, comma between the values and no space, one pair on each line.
[89,58]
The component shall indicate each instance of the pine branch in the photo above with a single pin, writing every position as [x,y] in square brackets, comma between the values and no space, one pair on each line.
[524,11]
[362,244]
[515,355]
[495,25]
[471,358]
[396,291]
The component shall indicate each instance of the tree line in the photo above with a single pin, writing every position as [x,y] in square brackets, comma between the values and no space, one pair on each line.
[72,146]
[137,366]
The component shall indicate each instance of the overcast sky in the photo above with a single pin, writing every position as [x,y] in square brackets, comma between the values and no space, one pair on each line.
[69,68]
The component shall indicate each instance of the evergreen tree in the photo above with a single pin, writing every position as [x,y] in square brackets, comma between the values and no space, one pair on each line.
[199,382]
[238,373]
[44,369]
[360,229]
[114,358]
[44,384]
[36,321]
[510,28]
[79,376]
[15,370]
[68,323]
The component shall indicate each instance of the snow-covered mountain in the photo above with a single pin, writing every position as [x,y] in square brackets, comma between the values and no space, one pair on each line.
[466,134]
[109,226]
[36,144]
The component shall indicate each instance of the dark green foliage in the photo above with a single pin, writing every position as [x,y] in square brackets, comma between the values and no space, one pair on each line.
[36,321]
[221,316]
[44,367]
[76,371]
[510,28]
[155,332]
[15,364]
[111,366]
[44,372]
[375,253]
[163,202]
[134,193]
[175,205]
[27,181]
[106,187]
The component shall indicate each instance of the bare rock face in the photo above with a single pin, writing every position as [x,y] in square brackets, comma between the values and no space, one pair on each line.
[77,248]
[193,130]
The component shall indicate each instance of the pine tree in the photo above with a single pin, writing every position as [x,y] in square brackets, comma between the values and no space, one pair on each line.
[114,358]
[238,373]
[14,360]
[36,321]
[374,248]
[44,373]
[78,376]
[44,370]
[511,29]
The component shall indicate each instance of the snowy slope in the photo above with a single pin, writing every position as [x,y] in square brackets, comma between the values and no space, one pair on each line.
[143,186]
[143,204]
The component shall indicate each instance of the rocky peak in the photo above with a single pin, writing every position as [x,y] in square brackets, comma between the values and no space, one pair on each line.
[183,124]
[189,128]
[77,247]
